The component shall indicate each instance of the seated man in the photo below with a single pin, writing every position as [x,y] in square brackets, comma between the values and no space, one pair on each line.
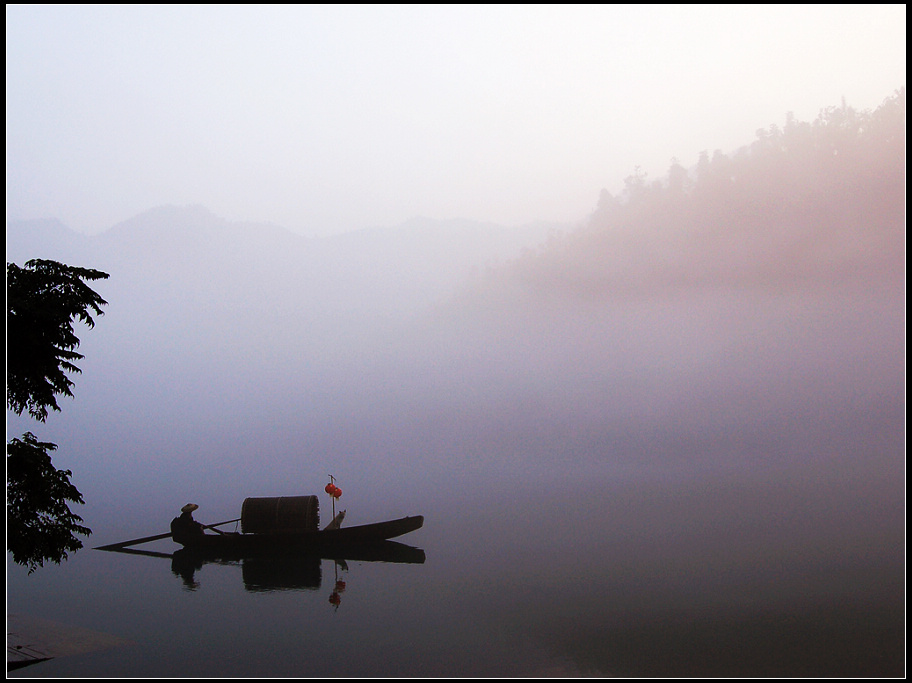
[185,526]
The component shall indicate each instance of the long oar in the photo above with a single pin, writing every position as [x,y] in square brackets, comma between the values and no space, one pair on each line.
[159,537]
[135,551]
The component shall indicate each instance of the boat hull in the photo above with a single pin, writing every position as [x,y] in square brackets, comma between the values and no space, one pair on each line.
[357,542]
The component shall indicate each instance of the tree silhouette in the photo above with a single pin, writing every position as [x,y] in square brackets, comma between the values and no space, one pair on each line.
[44,299]
[39,523]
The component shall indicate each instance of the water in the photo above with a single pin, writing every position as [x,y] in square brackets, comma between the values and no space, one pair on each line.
[710,488]
[781,572]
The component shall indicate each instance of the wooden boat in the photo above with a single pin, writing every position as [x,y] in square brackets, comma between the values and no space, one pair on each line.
[355,542]
[288,526]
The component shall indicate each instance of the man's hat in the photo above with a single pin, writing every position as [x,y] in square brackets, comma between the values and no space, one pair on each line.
[190,507]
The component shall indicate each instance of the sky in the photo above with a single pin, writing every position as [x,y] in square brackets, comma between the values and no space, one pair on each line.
[327,119]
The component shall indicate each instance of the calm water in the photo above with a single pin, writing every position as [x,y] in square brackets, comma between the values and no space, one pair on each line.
[712,490]
[781,572]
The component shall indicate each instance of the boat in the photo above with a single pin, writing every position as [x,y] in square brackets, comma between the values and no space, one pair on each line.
[280,545]
[286,526]
[355,542]
[290,525]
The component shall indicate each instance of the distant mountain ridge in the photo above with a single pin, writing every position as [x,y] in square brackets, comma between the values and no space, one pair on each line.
[194,225]
[190,253]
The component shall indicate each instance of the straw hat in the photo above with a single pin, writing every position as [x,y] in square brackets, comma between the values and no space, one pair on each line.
[190,507]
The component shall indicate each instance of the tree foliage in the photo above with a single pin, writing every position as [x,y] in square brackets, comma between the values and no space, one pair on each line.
[804,202]
[44,299]
[40,526]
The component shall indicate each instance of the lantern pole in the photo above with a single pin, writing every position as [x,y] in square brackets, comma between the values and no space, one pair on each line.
[332,480]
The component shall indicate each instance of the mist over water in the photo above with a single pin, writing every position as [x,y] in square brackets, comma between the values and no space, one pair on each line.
[257,361]
[672,449]
[234,371]
[250,358]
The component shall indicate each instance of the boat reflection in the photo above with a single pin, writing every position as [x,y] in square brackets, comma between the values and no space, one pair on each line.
[260,574]
[285,571]
[273,574]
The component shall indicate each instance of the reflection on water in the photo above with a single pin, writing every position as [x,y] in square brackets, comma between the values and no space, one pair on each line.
[283,571]
[789,575]
[290,571]
[268,574]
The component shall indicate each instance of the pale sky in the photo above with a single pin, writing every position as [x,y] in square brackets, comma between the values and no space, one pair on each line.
[333,118]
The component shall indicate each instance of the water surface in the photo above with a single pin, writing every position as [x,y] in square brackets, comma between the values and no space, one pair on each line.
[783,572]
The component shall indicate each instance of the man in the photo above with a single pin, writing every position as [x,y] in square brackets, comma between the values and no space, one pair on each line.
[185,526]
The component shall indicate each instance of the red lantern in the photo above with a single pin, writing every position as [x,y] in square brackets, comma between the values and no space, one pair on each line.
[337,492]
[330,488]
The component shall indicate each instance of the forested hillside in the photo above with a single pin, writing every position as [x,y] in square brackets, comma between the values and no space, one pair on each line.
[806,203]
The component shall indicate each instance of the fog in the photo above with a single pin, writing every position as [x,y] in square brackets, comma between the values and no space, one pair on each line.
[276,313]
[332,119]
[239,359]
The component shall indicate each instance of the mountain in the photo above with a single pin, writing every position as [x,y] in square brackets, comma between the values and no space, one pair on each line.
[42,238]
[262,272]
[371,271]
[811,205]
[193,294]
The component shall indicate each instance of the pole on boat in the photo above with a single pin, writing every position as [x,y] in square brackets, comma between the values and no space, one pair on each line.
[158,537]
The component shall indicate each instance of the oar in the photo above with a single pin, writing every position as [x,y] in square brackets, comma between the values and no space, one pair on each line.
[159,537]
[134,551]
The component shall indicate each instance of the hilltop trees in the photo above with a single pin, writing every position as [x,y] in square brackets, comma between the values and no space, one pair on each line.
[803,201]
[44,298]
